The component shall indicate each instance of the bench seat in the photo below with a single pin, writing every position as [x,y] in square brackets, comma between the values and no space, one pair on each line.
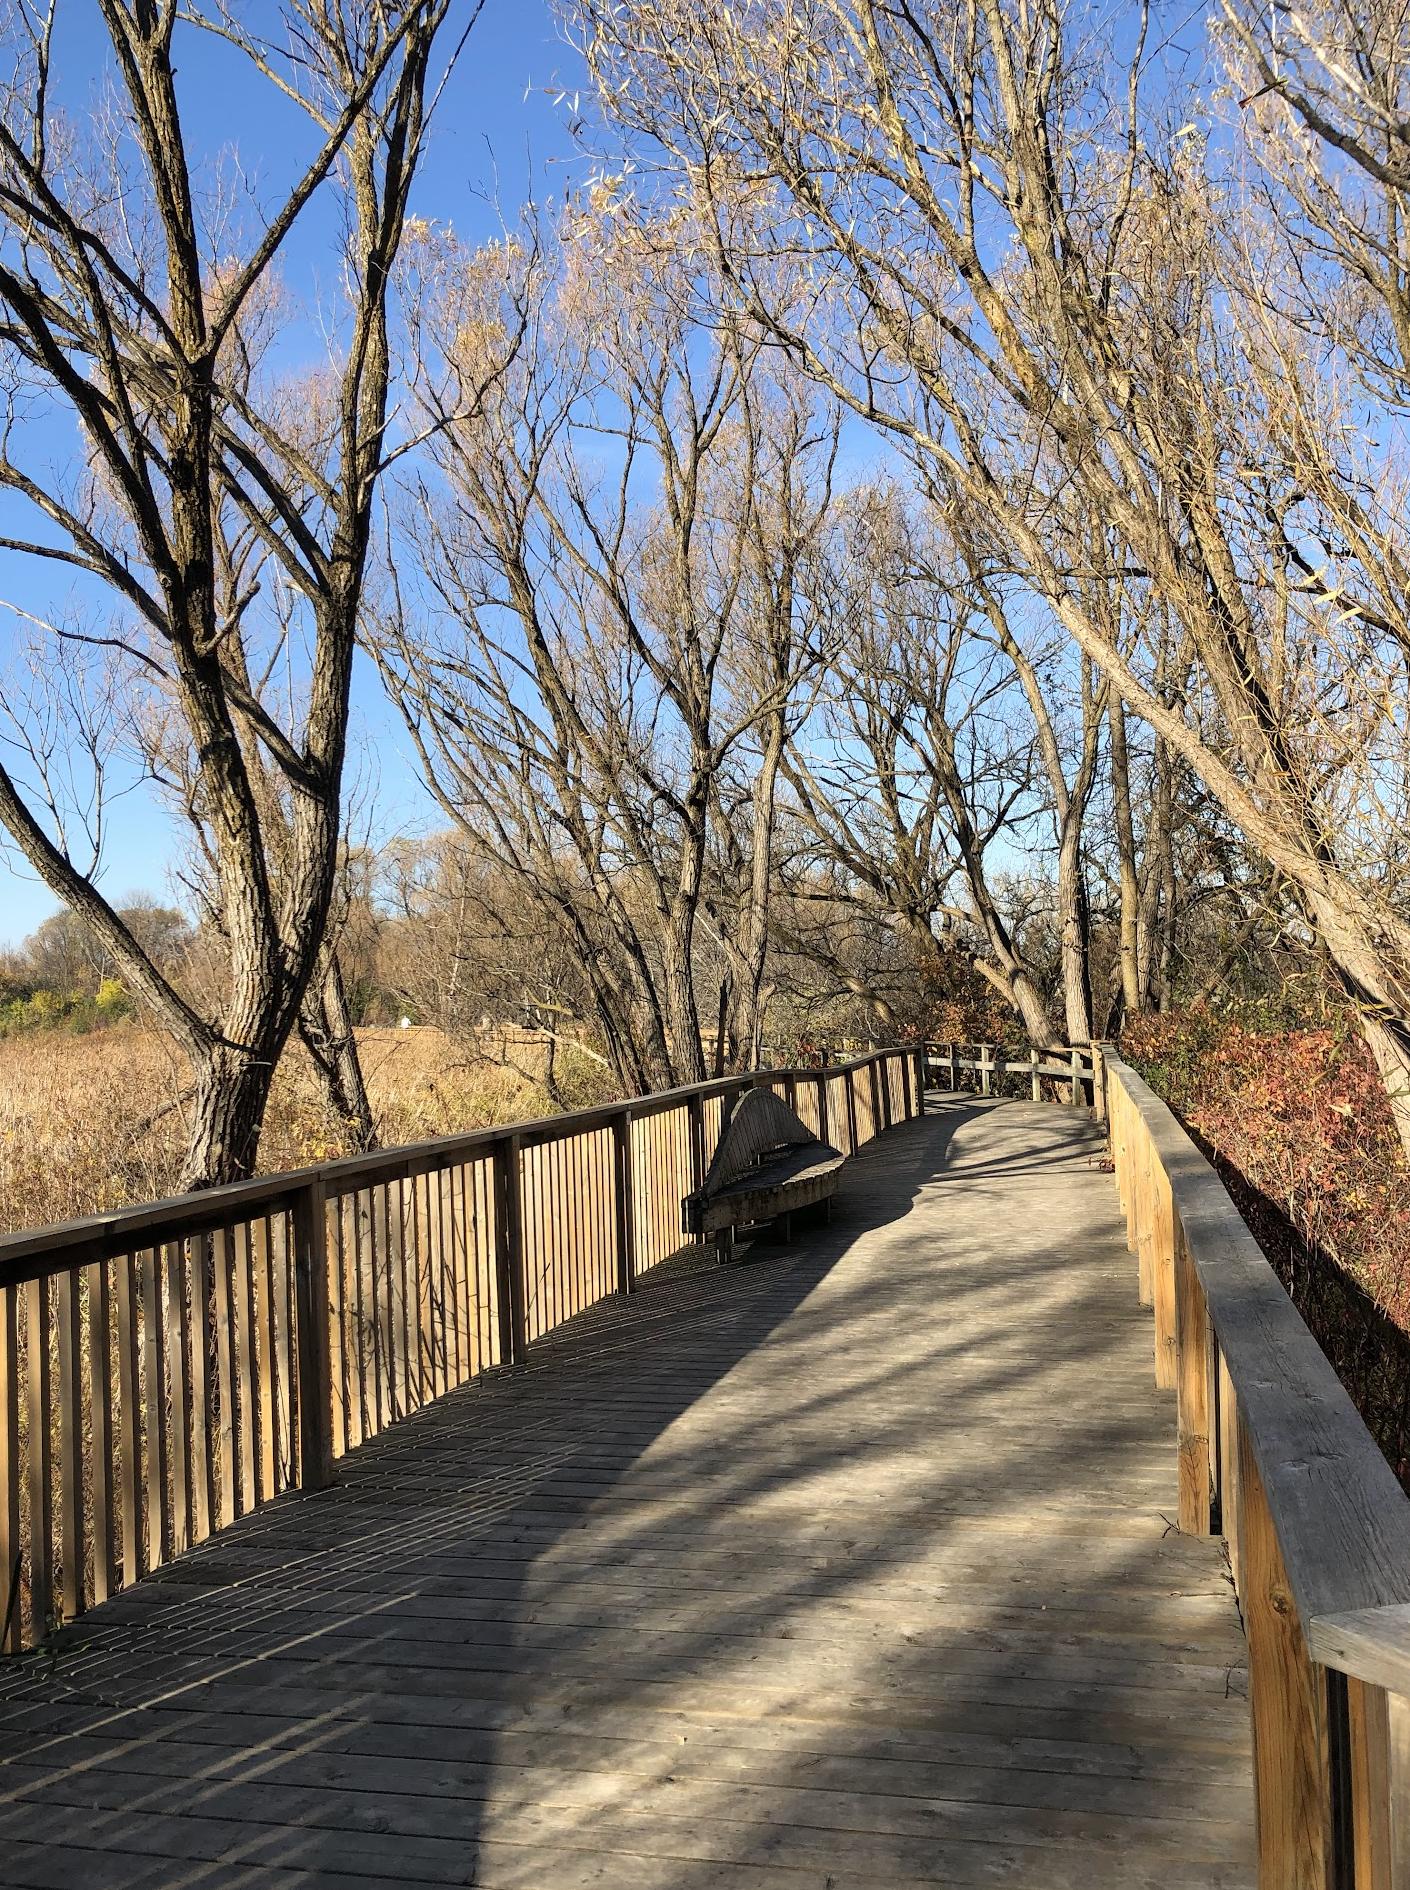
[798,1178]
[768,1165]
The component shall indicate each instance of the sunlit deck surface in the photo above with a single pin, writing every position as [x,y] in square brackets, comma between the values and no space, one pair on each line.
[853,1565]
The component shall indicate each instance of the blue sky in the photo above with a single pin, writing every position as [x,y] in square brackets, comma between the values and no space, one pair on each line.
[500,132]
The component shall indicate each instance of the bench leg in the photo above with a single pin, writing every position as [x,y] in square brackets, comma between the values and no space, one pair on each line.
[784,1227]
[724,1246]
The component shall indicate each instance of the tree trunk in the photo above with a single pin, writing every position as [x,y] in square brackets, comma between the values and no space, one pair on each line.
[1158,876]
[754,952]
[1072,914]
[231,1091]
[678,931]
[325,1025]
[682,1017]
[1132,992]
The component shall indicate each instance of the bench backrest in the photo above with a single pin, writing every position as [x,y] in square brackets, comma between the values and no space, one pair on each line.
[760,1124]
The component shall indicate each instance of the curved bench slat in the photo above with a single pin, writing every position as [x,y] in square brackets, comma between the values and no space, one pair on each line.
[767,1163]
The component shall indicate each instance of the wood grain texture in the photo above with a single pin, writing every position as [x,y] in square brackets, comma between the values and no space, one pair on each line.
[1369,1729]
[1341,1519]
[1192,1348]
[11,1613]
[1287,1701]
[849,1566]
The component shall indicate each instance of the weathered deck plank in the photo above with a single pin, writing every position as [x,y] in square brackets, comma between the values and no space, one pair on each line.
[847,1568]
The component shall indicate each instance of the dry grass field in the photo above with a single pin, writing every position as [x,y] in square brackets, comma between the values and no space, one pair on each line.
[90,1123]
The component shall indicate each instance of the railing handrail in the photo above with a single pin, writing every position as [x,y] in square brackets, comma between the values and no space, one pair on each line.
[24,1254]
[1328,1486]
[1274,1456]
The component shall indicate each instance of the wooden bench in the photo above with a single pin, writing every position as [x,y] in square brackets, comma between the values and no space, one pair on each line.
[767,1165]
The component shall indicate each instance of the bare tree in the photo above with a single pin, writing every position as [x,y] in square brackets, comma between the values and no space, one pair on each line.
[949,740]
[966,223]
[592,660]
[136,312]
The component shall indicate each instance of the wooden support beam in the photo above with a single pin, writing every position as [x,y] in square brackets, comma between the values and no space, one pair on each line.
[509,1251]
[1190,1362]
[623,1200]
[1160,1246]
[1287,1701]
[311,1290]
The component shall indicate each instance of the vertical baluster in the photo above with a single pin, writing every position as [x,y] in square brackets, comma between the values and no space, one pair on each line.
[224,1297]
[154,1407]
[401,1350]
[282,1320]
[420,1238]
[362,1412]
[623,1184]
[40,1463]
[315,1399]
[448,1200]
[262,1273]
[476,1260]
[203,1443]
[100,1419]
[11,1567]
[129,1418]
[1373,1814]
[339,1212]
[178,1364]
[509,1250]
[247,1366]
[384,1300]
[64,1292]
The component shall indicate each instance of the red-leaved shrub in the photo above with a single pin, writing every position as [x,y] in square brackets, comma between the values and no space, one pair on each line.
[1298,1124]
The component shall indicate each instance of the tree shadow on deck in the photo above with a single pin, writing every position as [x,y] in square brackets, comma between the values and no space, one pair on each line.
[847,1563]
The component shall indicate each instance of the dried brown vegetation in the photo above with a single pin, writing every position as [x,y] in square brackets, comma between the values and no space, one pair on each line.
[99,1122]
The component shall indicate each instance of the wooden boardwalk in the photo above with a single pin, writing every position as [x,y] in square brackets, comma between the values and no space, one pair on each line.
[850,1566]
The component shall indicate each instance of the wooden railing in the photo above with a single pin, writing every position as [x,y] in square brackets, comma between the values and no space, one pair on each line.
[167,1369]
[993,1068]
[1273,1456]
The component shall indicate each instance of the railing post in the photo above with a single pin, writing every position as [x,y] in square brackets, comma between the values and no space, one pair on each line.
[823,1135]
[1165,1258]
[921,1077]
[508,1252]
[872,1079]
[905,1085]
[624,1199]
[1145,1232]
[1078,1094]
[986,1065]
[695,1109]
[310,1219]
[1100,1101]
[851,1094]
[954,1068]
[1035,1081]
[1288,1700]
[1191,1378]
